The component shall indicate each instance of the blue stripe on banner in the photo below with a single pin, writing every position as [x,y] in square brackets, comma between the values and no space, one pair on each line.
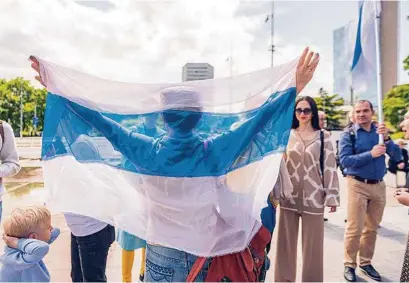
[358,44]
[145,144]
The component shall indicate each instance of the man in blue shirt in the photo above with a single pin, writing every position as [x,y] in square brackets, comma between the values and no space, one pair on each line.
[363,160]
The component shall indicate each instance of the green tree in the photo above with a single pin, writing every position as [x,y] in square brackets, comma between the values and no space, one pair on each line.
[330,105]
[395,104]
[16,91]
[406,64]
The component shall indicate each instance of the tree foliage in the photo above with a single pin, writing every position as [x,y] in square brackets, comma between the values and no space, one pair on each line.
[395,104]
[16,91]
[330,105]
[406,64]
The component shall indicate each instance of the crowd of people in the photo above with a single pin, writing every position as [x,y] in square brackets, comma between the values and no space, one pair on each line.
[309,171]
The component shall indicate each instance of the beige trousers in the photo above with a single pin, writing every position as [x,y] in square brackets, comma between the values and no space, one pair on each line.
[366,203]
[312,247]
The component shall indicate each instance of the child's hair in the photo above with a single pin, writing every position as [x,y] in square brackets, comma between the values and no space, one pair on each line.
[24,221]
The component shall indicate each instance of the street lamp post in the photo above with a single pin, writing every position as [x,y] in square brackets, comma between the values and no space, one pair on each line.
[35,120]
[21,113]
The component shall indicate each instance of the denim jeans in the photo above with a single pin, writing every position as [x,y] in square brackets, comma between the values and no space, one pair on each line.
[89,255]
[170,265]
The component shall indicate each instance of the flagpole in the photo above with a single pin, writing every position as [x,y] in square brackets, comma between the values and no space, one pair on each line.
[378,66]
[272,33]
[231,74]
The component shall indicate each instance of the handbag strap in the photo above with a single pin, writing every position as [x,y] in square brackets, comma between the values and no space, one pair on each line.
[197,266]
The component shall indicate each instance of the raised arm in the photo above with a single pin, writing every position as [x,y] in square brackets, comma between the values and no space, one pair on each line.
[132,145]
[231,144]
[27,252]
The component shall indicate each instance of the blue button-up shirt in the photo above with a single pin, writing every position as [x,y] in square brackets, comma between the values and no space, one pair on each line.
[362,164]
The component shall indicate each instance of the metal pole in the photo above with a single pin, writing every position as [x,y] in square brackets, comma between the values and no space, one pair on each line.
[378,67]
[21,109]
[231,59]
[272,33]
[35,118]
[231,77]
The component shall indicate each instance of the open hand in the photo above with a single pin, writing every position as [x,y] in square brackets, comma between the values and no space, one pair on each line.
[36,66]
[305,69]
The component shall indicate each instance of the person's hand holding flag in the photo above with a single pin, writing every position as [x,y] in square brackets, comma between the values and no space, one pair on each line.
[305,69]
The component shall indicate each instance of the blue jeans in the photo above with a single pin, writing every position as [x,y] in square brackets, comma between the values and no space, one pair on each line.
[89,255]
[170,265]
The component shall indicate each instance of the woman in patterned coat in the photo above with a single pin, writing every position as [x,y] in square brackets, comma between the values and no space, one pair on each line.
[310,161]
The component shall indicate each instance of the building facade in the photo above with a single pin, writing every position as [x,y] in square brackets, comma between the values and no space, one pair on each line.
[344,40]
[197,71]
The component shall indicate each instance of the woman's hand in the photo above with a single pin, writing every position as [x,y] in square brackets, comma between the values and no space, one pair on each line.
[36,66]
[402,197]
[305,69]
[332,209]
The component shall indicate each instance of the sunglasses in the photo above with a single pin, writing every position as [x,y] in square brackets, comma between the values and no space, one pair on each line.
[306,111]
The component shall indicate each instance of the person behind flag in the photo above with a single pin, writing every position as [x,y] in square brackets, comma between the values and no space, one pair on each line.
[90,238]
[128,242]
[363,160]
[181,143]
[322,119]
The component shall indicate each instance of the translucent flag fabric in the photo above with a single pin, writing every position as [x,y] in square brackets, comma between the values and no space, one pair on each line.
[185,165]
[363,67]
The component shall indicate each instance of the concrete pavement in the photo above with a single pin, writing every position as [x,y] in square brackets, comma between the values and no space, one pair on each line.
[388,256]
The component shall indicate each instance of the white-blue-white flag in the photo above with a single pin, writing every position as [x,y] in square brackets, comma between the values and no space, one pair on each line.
[363,65]
[169,163]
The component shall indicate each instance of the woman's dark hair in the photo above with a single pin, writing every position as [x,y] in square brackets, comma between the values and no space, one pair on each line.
[314,119]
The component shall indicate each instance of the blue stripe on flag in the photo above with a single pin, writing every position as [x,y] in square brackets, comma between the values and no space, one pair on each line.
[220,143]
[358,44]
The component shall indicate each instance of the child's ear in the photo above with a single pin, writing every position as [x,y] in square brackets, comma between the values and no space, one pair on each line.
[32,236]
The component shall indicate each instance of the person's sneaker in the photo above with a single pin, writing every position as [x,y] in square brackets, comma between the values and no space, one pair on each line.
[349,274]
[141,277]
[371,272]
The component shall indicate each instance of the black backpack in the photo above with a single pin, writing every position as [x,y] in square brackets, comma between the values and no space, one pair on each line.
[351,132]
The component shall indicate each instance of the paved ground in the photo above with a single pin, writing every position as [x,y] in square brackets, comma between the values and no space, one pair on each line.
[388,257]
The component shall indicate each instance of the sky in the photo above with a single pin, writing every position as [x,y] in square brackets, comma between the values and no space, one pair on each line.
[150,41]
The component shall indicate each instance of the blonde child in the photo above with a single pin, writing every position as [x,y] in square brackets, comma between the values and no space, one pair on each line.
[27,234]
